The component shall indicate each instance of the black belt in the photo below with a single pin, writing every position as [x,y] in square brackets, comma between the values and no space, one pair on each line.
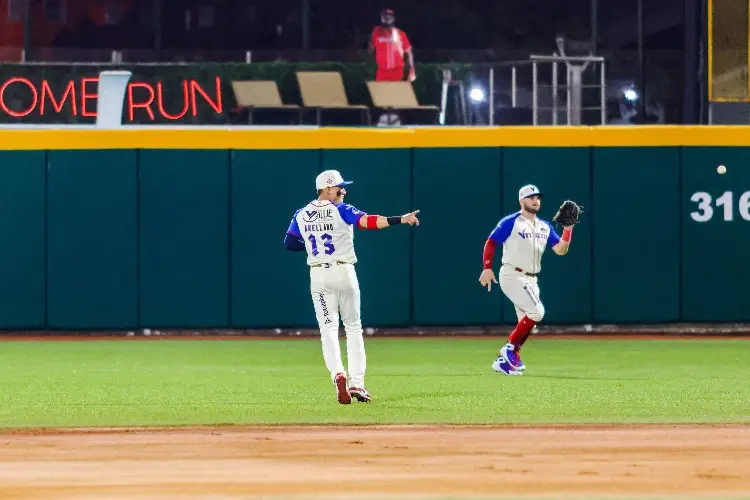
[533,275]
[328,264]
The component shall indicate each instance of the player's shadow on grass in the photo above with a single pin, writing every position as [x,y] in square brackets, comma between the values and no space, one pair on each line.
[586,377]
[424,395]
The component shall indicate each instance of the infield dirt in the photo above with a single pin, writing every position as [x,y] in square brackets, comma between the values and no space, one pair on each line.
[640,461]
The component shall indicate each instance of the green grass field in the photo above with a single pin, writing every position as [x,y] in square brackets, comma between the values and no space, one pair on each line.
[181,382]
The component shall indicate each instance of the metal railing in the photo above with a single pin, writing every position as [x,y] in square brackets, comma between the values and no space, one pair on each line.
[548,99]
[573,86]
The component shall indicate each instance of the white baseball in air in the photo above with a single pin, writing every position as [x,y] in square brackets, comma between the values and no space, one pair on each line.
[721,169]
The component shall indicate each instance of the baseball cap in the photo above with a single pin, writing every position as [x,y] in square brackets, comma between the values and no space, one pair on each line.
[528,190]
[330,178]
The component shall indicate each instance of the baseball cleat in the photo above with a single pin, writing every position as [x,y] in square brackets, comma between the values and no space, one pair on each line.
[342,393]
[510,352]
[503,365]
[360,394]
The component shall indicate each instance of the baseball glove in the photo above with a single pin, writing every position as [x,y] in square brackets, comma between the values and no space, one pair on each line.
[568,213]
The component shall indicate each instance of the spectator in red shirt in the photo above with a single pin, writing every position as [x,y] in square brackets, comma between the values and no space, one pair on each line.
[390,45]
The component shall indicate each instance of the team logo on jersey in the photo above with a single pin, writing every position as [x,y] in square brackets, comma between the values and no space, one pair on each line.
[324,215]
[318,215]
[529,234]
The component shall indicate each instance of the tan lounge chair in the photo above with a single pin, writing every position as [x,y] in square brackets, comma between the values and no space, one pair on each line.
[260,94]
[396,96]
[324,90]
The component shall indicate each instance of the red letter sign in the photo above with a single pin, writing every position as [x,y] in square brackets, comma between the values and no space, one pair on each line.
[194,87]
[18,114]
[160,102]
[132,104]
[85,96]
[47,91]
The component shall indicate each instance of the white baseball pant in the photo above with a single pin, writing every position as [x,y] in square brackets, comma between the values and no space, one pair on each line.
[335,293]
[523,291]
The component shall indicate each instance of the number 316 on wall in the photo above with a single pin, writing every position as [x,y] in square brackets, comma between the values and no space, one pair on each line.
[705,211]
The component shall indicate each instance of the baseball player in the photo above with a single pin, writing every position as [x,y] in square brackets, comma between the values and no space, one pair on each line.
[325,229]
[524,238]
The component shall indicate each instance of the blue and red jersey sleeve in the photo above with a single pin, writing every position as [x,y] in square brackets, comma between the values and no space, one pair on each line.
[350,214]
[503,229]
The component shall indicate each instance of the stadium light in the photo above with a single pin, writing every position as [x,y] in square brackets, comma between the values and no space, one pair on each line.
[476,94]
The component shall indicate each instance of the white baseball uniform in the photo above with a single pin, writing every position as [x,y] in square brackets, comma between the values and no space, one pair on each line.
[327,230]
[524,241]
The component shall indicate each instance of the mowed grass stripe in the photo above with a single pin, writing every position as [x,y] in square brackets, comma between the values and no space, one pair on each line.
[413,381]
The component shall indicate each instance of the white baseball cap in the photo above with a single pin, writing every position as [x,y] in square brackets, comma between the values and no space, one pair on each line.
[528,190]
[330,178]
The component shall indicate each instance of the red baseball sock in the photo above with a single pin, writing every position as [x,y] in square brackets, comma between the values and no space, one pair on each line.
[521,332]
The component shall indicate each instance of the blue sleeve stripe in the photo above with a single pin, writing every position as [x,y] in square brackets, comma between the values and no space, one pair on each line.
[293,226]
[350,214]
[503,229]
[554,238]
[294,243]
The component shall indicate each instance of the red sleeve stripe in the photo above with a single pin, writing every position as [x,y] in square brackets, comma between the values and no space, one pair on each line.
[489,253]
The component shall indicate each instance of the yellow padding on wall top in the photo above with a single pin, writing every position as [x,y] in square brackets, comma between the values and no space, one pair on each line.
[155,137]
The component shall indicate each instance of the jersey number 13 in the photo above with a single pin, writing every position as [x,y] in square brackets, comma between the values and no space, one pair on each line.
[327,244]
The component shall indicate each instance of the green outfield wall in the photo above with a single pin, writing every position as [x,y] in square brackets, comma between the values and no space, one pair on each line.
[185,228]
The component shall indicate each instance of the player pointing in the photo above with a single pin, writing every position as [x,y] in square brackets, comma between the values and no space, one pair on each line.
[524,237]
[325,229]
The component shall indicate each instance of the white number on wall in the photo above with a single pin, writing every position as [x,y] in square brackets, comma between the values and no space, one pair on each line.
[745,205]
[704,212]
[725,200]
